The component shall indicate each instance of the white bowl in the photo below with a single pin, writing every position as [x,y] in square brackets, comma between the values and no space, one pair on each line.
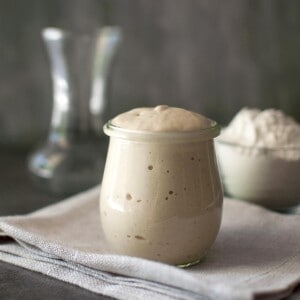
[268,177]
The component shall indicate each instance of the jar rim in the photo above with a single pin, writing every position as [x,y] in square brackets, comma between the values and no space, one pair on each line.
[176,136]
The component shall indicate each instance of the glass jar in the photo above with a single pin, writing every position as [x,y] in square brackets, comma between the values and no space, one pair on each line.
[161,195]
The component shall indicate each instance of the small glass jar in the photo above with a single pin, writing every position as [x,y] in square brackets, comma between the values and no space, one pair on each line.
[161,195]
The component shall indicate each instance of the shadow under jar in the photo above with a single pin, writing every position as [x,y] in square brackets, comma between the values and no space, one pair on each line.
[161,195]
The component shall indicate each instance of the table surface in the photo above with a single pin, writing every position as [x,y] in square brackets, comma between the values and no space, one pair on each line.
[19,196]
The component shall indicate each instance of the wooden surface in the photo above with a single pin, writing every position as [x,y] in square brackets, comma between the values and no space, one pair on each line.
[18,284]
[17,193]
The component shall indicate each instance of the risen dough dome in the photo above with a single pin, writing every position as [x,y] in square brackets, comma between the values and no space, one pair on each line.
[161,118]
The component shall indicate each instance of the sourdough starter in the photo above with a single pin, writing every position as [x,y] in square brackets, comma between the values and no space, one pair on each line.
[161,195]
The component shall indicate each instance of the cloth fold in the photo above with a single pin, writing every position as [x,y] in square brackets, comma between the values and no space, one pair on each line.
[257,252]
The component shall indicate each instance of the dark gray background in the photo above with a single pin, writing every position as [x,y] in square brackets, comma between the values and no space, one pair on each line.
[207,55]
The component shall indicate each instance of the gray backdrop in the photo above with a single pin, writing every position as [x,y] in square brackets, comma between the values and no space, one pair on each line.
[210,56]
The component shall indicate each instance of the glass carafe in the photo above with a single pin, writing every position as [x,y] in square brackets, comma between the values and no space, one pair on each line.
[72,158]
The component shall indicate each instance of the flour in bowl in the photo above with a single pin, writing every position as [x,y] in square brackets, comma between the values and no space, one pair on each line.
[259,158]
[268,129]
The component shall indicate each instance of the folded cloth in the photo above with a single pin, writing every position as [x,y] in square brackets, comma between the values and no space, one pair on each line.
[257,252]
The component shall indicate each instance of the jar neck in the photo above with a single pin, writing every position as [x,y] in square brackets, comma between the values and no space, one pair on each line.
[163,137]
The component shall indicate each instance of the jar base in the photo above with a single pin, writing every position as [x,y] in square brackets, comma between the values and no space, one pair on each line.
[189,264]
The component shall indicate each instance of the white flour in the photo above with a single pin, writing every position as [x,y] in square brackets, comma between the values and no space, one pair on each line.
[269,129]
[259,158]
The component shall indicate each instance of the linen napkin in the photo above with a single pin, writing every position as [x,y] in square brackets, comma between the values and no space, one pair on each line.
[257,252]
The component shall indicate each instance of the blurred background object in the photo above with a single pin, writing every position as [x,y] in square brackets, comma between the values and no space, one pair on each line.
[210,56]
[73,156]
